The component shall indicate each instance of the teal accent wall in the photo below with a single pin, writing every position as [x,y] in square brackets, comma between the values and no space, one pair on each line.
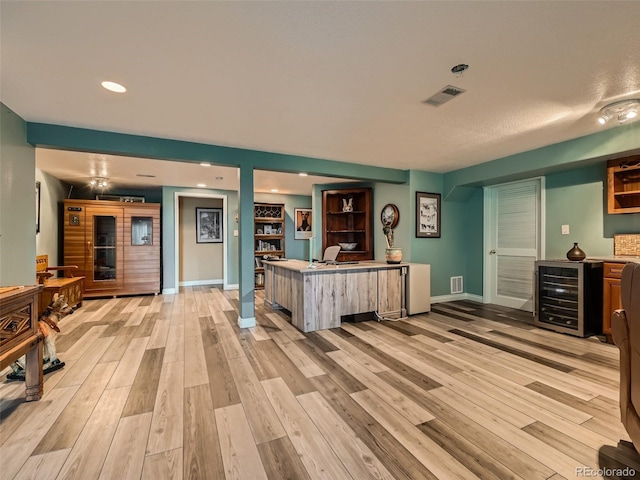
[294,249]
[50,240]
[578,198]
[95,141]
[168,225]
[460,235]
[548,160]
[574,173]
[384,193]
[471,243]
[17,202]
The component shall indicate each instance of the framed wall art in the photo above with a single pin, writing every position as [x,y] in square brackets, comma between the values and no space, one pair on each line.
[303,225]
[208,225]
[428,215]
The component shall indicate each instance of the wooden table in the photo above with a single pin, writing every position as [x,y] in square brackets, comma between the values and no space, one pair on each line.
[318,297]
[20,334]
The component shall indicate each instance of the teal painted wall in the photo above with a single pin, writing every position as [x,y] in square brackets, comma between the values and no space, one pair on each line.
[50,241]
[446,255]
[384,193]
[459,251]
[471,243]
[168,232]
[578,198]
[548,160]
[295,249]
[17,202]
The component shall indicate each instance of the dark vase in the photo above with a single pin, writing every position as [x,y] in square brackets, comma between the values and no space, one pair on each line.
[576,253]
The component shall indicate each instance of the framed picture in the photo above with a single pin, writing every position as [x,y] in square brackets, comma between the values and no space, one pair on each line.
[208,225]
[302,220]
[268,230]
[37,207]
[427,215]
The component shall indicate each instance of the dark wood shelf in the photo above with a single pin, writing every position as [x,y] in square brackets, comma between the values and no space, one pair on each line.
[346,213]
[355,226]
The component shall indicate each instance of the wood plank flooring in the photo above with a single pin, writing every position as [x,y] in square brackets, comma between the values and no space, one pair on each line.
[169,387]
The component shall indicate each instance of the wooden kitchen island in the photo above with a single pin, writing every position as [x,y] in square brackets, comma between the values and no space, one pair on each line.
[319,297]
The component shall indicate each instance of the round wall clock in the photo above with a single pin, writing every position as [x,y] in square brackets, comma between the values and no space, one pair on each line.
[390,215]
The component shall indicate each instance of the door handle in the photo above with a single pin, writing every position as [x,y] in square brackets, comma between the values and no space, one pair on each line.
[492,251]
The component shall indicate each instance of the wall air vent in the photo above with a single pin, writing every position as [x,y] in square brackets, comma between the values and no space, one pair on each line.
[456,285]
[444,95]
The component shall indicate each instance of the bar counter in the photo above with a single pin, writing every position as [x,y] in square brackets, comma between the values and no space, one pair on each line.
[318,297]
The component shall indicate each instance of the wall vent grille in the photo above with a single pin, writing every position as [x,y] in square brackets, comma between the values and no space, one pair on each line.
[456,285]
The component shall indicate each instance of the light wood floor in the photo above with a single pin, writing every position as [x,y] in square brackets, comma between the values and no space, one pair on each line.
[169,387]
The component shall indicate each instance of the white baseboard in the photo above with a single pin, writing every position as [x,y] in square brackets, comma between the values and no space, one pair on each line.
[246,322]
[168,291]
[232,286]
[457,296]
[197,283]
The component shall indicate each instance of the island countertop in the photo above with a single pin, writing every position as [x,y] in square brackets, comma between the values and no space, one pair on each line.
[302,266]
[319,297]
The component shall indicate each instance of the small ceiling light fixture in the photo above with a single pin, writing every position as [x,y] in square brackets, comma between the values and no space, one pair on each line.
[302,174]
[623,111]
[114,87]
[274,190]
[202,185]
[99,182]
[459,69]
[205,164]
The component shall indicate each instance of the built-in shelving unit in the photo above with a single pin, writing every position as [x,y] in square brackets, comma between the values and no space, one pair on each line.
[347,218]
[268,235]
[623,185]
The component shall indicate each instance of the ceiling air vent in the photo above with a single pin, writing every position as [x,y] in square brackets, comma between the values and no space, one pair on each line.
[443,96]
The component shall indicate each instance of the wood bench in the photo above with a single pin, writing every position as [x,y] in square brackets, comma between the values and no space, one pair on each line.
[71,287]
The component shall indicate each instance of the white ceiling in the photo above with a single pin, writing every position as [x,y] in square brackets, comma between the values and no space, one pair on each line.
[336,80]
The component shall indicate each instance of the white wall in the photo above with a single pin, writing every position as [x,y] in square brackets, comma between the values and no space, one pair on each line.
[199,262]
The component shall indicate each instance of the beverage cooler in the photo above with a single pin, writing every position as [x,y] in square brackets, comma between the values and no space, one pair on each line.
[569,296]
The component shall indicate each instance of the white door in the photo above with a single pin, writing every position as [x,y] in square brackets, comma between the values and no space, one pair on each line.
[513,242]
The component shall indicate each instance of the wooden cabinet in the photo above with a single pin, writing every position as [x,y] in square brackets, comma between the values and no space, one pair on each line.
[611,298]
[347,218]
[116,245]
[268,235]
[623,185]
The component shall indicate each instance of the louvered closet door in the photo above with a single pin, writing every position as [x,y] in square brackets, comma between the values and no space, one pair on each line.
[515,243]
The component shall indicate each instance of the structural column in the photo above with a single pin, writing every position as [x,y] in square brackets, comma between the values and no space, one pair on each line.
[246,261]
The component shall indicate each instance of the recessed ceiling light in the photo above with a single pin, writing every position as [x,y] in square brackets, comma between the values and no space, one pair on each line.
[114,87]
[205,164]
[302,174]
[202,185]
[274,190]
